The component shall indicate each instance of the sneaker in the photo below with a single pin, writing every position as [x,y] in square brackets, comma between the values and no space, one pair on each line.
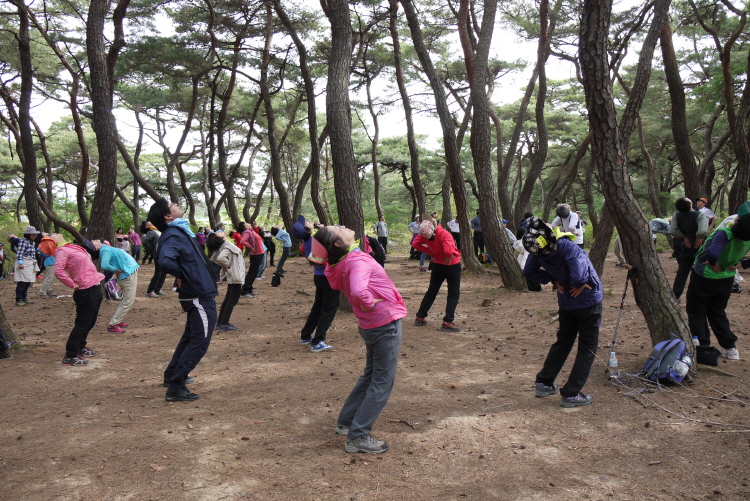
[450,327]
[74,361]
[731,354]
[189,380]
[579,400]
[45,294]
[20,303]
[227,327]
[28,302]
[303,342]
[737,289]
[9,344]
[341,429]
[122,325]
[321,346]
[542,390]
[419,322]
[423,269]
[160,293]
[152,294]
[366,443]
[116,329]
[52,295]
[247,295]
[181,395]
[39,277]
[87,352]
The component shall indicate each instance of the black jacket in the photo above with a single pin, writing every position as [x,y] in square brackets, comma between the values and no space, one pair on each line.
[180,255]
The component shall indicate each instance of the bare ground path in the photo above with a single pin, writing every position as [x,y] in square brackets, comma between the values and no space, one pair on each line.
[462,423]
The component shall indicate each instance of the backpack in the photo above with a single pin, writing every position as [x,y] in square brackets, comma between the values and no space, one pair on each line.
[485,258]
[276,280]
[112,290]
[660,366]
[377,250]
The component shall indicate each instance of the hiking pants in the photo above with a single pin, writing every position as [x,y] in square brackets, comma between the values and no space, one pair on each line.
[87,303]
[441,273]
[284,254]
[230,301]
[201,320]
[685,260]
[127,287]
[252,273]
[707,300]
[322,312]
[584,324]
[373,388]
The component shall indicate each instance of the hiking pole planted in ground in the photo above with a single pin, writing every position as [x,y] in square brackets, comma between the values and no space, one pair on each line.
[633,274]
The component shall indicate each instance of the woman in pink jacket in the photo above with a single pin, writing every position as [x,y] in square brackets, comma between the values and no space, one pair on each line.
[379,309]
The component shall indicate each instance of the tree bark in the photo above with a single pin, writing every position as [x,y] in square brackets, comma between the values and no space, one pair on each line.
[653,294]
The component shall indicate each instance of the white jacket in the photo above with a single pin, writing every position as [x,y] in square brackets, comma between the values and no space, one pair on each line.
[229,257]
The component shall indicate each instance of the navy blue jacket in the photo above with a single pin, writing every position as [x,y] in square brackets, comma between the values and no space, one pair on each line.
[180,255]
[568,266]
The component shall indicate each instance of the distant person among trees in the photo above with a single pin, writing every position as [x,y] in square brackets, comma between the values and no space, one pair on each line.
[326,302]
[227,255]
[150,237]
[135,242]
[46,248]
[476,225]
[157,280]
[270,245]
[201,237]
[253,242]
[381,230]
[379,309]
[660,225]
[26,267]
[75,268]
[125,268]
[579,296]
[511,236]
[179,255]
[522,225]
[122,240]
[711,281]
[568,222]
[702,204]
[454,229]
[691,228]
[286,242]
[446,266]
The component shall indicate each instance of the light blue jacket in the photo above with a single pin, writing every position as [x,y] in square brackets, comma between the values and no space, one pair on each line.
[284,237]
[114,260]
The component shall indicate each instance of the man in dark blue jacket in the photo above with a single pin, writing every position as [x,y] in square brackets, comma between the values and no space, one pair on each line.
[579,295]
[179,254]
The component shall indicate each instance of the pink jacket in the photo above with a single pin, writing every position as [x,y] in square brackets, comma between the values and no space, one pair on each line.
[363,280]
[74,267]
[253,242]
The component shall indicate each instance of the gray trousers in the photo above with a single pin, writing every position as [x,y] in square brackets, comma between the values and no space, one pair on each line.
[374,386]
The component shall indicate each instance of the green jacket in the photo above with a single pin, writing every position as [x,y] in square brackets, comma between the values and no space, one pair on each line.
[735,250]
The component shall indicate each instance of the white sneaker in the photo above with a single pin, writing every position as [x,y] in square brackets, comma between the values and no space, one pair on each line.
[731,354]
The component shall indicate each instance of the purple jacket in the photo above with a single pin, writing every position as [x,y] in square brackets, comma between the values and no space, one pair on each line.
[568,266]
[363,280]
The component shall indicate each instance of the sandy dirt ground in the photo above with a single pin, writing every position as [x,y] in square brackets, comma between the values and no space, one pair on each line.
[462,423]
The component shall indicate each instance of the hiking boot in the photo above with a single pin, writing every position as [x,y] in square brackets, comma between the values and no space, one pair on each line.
[122,325]
[181,395]
[116,329]
[321,346]
[20,303]
[87,352]
[74,361]
[450,327]
[341,429]
[189,380]
[737,289]
[152,294]
[579,400]
[419,322]
[304,342]
[366,443]
[542,390]
[26,301]
[730,354]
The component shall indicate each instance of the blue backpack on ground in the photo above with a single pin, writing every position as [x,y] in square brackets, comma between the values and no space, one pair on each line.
[660,366]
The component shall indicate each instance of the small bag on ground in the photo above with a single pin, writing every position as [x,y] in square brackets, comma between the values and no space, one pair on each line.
[707,355]
[275,280]
[667,362]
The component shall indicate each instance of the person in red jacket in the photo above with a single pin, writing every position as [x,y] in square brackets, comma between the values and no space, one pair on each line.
[446,265]
[253,242]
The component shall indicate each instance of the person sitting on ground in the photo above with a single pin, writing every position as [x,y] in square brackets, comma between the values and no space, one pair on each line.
[711,280]
[125,269]
[379,309]
[227,255]
[75,268]
[446,266]
[26,267]
[179,254]
[326,302]
[286,247]
[579,296]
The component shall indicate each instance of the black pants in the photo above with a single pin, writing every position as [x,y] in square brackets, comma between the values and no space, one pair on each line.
[271,250]
[87,303]
[157,281]
[136,252]
[148,255]
[201,320]
[322,312]
[478,242]
[383,241]
[441,273]
[685,259]
[706,304]
[22,290]
[230,301]
[584,324]
[252,273]
[284,254]
[456,238]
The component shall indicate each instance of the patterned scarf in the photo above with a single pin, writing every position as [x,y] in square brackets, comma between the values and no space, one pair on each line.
[539,238]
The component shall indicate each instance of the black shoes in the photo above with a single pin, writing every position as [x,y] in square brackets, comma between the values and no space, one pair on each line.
[189,380]
[181,395]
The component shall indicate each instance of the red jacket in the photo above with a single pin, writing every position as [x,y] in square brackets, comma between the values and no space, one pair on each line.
[253,242]
[440,247]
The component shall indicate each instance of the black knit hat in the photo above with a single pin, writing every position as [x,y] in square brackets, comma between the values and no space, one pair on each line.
[157,213]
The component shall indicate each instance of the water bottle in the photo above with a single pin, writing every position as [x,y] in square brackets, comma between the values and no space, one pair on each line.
[695,341]
[614,373]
